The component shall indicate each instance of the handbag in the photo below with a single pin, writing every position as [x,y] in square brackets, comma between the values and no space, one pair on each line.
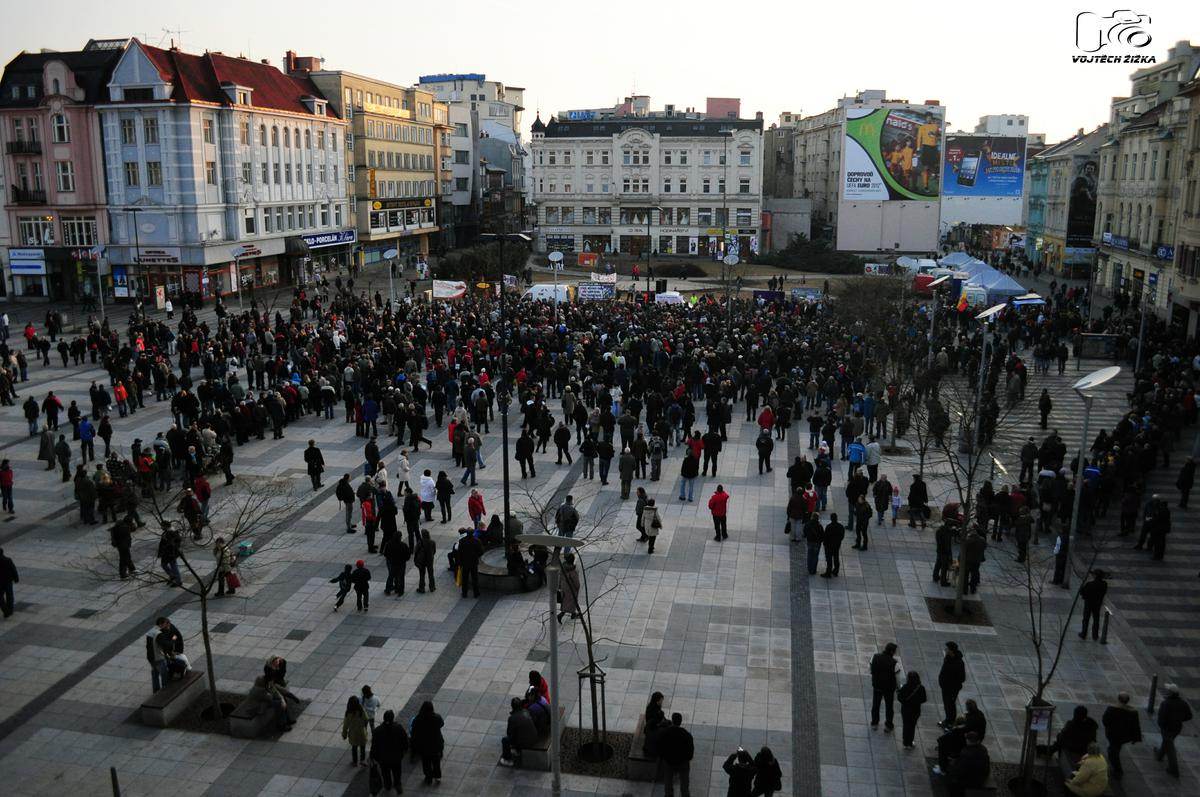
[231,578]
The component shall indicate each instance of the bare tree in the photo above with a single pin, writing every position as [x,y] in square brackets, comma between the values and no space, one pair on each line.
[244,514]
[597,526]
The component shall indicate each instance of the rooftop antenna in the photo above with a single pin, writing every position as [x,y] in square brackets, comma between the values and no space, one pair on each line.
[177,39]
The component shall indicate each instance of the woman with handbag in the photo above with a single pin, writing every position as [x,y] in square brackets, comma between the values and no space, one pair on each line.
[651,524]
[354,730]
[226,576]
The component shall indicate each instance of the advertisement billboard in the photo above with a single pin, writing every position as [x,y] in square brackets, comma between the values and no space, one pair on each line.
[983,166]
[892,153]
[1081,213]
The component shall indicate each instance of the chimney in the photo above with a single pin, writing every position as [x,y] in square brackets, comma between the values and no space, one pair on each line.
[289,61]
[266,61]
[758,116]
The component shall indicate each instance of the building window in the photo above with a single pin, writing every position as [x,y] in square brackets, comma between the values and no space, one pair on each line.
[667,157]
[588,157]
[666,185]
[308,174]
[60,128]
[287,173]
[274,136]
[337,215]
[36,231]
[589,215]
[321,173]
[210,172]
[743,157]
[262,135]
[706,157]
[153,173]
[566,159]
[244,133]
[279,220]
[324,215]
[206,127]
[553,158]
[745,217]
[247,173]
[321,139]
[132,177]
[604,215]
[249,221]
[64,171]
[308,139]
[287,138]
[552,215]
[128,132]
[462,183]
[79,231]
[568,215]
[683,216]
[720,185]
[604,158]
[150,131]
[704,217]
[744,185]
[683,153]
[706,185]
[683,185]
[266,176]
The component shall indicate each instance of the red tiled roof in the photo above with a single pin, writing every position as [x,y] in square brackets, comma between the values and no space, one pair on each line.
[199,77]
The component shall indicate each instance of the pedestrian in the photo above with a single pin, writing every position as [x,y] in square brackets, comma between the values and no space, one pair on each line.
[360,579]
[344,583]
[62,452]
[676,749]
[861,512]
[884,672]
[814,538]
[1122,726]
[832,540]
[1172,713]
[427,491]
[428,743]
[951,678]
[354,731]
[345,495]
[765,444]
[569,590]
[226,576]
[424,553]
[8,577]
[911,697]
[396,553]
[1092,594]
[626,465]
[651,524]
[1187,477]
[718,504]
[389,743]
[444,489]
[469,551]
[370,705]
[169,544]
[1045,405]
[768,775]
[918,500]
[975,546]
[476,509]
[6,487]
[688,471]
[740,768]
[315,463]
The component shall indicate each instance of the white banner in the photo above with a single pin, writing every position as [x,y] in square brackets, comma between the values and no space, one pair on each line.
[448,289]
[597,277]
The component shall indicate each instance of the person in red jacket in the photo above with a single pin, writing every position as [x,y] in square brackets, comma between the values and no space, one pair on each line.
[6,486]
[718,504]
[766,418]
[203,492]
[475,508]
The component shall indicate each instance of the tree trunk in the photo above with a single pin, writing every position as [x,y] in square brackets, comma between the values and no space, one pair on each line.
[208,657]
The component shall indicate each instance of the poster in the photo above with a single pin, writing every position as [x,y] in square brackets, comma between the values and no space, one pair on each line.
[588,259]
[984,166]
[449,289]
[595,291]
[1081,213]
[160,296]
[892,153]
[120,280]
[598,277]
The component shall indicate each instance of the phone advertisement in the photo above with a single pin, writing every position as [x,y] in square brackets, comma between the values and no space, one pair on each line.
[979,166]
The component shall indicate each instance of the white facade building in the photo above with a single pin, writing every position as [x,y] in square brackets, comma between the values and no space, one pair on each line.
[216,165]
[679,186]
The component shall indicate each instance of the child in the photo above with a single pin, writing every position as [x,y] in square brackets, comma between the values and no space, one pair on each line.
[895,503]
[342,579]
[370,704]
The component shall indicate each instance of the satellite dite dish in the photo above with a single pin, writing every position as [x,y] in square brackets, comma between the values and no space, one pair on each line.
[555,257]
[1096,378]
[938,281]
[389,254]
[991,312]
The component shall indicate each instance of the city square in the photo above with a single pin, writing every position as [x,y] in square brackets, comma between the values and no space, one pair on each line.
[362,435]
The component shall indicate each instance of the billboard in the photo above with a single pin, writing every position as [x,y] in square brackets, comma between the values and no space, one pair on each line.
[892,153]
[981,166]
[1081,213]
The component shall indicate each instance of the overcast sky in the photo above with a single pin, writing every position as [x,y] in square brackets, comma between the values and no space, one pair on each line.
[976,58]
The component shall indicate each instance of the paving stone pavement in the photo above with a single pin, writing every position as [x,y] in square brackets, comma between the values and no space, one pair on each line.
[737,636]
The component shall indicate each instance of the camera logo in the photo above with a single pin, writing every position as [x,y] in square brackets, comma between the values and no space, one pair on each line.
[1123,28]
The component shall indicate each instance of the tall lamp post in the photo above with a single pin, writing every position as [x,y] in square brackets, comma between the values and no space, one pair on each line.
[556,259]
[1083,389]
[505,397]
[933,315]
[137,250]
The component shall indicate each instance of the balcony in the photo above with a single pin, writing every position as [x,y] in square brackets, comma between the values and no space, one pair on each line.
[23,196]
[23,148]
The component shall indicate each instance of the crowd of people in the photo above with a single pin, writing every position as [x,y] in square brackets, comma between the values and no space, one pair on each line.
[643,385]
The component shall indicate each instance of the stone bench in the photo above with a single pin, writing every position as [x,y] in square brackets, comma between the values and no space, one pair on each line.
[244,723]
[164,706]
[641,766]
[538,756]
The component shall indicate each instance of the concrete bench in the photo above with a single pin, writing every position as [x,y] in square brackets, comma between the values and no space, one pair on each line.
[164,706]
[538,756]
[641,766]
[493,572]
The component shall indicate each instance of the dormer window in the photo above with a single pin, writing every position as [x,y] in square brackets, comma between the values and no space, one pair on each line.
[316,105]
[243,97]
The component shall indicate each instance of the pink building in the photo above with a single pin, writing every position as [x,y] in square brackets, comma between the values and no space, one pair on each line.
[54,164]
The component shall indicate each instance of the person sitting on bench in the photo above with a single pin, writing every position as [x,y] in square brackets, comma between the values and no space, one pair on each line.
[971,769]
[1091,778]
[522,733]
[1076,735]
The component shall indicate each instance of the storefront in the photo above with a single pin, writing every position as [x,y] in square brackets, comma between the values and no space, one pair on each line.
[28,269]
[600,244]
[560,243]
[327,251]
[405,225]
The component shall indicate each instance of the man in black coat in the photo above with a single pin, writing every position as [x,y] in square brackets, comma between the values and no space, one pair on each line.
[121,535]
[396,553]
[524,450]
[676,748]
[884,668]
[834,534]
[970,769]
[469,551]
[345,494]
[1122,726]
[944,541]
[315,461]
[389,743]
[8,577]
[951,679]
[1093,593]
[712,450]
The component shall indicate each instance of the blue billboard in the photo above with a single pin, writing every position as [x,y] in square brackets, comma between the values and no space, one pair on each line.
[982,166]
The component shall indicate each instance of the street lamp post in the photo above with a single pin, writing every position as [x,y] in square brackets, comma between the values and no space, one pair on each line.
[505,397]
[137,251]
[1082,388]
[933,315]
[556,259]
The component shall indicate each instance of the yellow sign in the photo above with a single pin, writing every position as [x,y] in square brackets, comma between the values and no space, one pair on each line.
[376,206]
[371,183]
[385,110]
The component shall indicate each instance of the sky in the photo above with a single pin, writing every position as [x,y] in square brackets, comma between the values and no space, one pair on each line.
[975,58]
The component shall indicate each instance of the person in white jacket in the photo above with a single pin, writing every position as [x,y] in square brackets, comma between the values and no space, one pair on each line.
[427,491]
[403,468]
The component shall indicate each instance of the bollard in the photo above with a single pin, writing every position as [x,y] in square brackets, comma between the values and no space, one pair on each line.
[1104,631]
[1153,694]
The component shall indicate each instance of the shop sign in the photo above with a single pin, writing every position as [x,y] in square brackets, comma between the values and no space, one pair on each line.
[338,237]
[392,204]
[27,261]
[164,255]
